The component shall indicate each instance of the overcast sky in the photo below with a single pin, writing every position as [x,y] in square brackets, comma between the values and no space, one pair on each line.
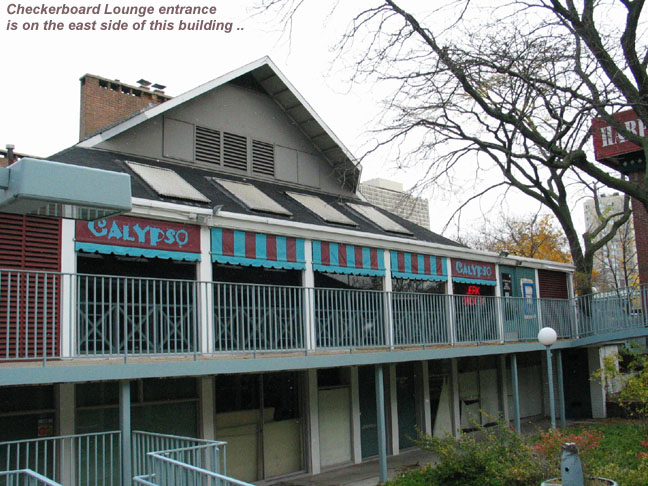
[41,70]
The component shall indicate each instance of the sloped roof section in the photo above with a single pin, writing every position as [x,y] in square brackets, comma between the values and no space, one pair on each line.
[267,77]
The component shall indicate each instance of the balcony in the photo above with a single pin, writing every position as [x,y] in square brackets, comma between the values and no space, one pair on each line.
[48,316]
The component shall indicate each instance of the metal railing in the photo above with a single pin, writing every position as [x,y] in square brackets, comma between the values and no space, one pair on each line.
[48,315]
[253,317]
[25,477]
[135,316]
[82,459]
[183,467]
[347,318]
[212,457]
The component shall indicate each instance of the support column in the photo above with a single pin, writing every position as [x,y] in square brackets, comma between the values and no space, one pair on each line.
[503,391]
[454,396]
[561,390]
[382,435]
[313,420]
[550,385]
[516,393]
[308,282]
[125,429]
[393,410]
[205,291]
[68,289]
[65,425]
[425,388]
[207,407]
[597,390]
[452,325]
[355,416]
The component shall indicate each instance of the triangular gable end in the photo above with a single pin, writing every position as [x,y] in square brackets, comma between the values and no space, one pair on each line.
[265,76]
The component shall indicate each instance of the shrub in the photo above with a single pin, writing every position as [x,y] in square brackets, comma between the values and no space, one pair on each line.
[549,445]
[492,457]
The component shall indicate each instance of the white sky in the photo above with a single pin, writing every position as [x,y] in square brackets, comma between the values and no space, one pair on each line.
[39,85]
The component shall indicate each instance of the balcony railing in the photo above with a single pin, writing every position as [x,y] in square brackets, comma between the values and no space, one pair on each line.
[45,315]
[25,477]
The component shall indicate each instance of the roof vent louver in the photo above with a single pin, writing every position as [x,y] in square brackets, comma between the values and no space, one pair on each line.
[208,145]
[234,151]
[262,158]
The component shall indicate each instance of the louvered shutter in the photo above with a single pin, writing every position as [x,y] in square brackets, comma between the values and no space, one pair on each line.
[552,284]
[208,145]
[234,151]
[262,158]
[29,302]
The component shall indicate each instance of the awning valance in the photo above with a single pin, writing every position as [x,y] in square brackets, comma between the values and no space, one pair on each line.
[137,252]
[418,266]
[257,249]
[139,237]
[349,259]
[472,272]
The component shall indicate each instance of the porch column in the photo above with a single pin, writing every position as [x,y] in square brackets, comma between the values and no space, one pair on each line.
[454,397]
[425,388]
[207,409]
[382,435]
[393,409]
[355,416]
[597,390]
[125,429]
[561,389]
[313,420]
[68,289]
[516,393]
[452,325]
[205,292]
[65,425]
[503,392]
[308,282]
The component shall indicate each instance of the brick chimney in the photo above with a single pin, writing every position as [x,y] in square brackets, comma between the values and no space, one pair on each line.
[105,101]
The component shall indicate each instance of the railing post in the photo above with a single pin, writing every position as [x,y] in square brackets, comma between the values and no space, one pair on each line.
[204,293]
[308,284]
[387,302]
[452,318]
[498,303]
[68,298]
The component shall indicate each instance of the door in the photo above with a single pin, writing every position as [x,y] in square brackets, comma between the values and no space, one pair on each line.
[406,392]
[368,413]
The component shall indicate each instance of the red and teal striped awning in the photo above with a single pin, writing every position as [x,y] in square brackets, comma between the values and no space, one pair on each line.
[257,249]
[418,266]
[349,259]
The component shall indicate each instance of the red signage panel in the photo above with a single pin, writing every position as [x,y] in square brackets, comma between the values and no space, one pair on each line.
[473,270]
[140,233]
[609,143]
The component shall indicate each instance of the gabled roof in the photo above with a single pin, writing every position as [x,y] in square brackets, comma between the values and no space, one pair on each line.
[266,74]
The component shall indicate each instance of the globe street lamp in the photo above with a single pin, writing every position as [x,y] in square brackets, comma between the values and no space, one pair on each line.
[547,336]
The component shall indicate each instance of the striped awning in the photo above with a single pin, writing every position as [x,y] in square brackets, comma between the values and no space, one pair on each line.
[136,252]
[418,266]
[349,259]
[257,249]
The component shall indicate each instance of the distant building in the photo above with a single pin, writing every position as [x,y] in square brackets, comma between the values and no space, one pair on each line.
[616,263]
[390,195]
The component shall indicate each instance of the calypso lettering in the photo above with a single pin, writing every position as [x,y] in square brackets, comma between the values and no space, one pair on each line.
[148,235]
[474,270]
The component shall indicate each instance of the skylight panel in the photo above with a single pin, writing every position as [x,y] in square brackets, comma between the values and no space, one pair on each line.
[166,182]
[379,219]
[322,209]
[252,197]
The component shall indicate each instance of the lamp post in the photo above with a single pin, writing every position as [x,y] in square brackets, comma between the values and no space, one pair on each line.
[547,336]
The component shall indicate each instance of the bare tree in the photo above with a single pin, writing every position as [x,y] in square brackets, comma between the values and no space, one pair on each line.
[513,87]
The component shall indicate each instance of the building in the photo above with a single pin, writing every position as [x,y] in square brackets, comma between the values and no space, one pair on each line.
[251,296]
[389,195]
[616,263]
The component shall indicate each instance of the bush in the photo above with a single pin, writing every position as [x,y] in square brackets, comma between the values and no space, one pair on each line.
[492,457]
